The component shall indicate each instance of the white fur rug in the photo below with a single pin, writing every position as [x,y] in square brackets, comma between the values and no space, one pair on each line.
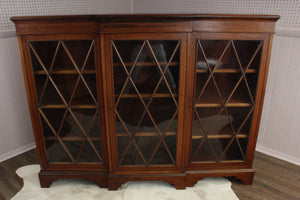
[206,189]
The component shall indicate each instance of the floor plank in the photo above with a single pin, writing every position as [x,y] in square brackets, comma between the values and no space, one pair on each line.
[274,179]
[10,182]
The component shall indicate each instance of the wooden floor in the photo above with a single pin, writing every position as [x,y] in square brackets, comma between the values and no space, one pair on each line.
[274,179]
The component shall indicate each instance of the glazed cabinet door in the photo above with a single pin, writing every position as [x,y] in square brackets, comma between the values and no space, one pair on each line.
[226,79]
[65,100]
[147,81]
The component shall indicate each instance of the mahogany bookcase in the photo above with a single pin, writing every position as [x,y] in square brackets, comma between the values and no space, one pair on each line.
[117,98]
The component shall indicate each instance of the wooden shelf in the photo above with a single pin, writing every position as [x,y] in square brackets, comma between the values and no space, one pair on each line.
[50,106]
[216,102]
[222,161]
[146,64]
[236,104]
[220,136]
[146,134]
[207,102]
[225,70]
[158,95]
[65,71]
[239,104]
[73,138]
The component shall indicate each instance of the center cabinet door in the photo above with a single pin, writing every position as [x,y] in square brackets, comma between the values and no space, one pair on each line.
[146,74]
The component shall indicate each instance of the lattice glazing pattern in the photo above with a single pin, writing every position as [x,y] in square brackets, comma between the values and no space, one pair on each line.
[146,84]
[65,77]
[226,80]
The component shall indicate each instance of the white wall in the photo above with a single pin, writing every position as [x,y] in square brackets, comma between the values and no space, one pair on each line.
[289,10]
[15,126]
[58,7]
[279,134]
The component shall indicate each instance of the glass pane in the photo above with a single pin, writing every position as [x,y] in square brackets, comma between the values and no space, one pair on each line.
[252,83]
[234,152]
[89,153]
[65,78]
[209,53]
[241,94]
[146,89]
[228,55]
[53,118]
[49,94]
[49,147]
[78,50]
[63,86]
[83,93]
[208,94]
[59,154]
[201,150]
[246,49]
[86,118]
[42,53]
[239,115]
[226,81]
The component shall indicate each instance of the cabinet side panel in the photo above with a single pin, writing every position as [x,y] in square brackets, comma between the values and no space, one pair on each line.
[260,94]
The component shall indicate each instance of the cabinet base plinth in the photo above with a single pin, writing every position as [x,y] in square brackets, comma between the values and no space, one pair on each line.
[245,175]
[177,180]
[114,181]
[47,178]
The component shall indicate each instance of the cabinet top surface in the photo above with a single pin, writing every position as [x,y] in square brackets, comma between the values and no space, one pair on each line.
[143,17]
[144,23]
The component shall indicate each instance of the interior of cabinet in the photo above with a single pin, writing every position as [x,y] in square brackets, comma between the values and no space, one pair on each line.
[226,76]
[65,80]
[146,78]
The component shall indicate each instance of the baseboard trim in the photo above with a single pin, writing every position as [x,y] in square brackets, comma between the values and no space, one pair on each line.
[277,154]
[17,151]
